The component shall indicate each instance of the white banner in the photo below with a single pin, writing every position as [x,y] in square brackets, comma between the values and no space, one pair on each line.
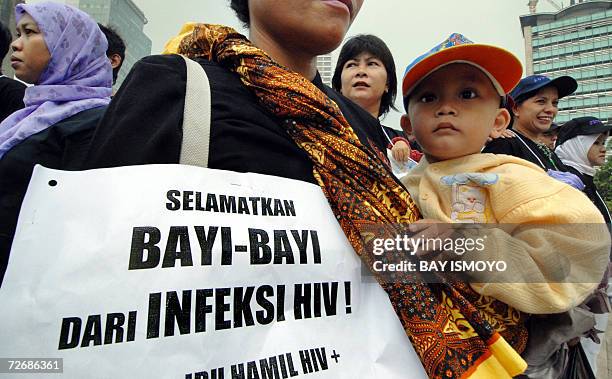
[169,271]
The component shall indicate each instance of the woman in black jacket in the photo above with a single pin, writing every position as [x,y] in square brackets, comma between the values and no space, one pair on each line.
[535,107]
[365,73]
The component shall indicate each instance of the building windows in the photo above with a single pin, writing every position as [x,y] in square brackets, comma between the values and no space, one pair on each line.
[576,43]
[128,21]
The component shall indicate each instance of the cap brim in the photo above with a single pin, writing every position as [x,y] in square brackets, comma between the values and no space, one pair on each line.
[598,129]
[566,85]
[500,65]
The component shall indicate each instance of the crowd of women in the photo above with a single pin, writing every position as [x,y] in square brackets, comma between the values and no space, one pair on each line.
[269,108]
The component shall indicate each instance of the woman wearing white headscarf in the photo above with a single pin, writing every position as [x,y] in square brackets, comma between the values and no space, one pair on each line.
[581,147]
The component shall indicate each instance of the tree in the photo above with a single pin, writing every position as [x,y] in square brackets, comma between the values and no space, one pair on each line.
[603,181]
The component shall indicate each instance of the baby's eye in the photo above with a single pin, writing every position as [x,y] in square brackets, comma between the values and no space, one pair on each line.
[467,94]
[427,98]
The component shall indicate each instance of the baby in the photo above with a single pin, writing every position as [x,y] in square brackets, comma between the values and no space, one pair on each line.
[454,98]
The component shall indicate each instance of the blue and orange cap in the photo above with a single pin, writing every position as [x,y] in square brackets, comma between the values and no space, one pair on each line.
[501,66]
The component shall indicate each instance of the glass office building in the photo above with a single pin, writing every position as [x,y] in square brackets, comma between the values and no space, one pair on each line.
[7,12]
[574,41]
[326,70]
[127,20]
[7,17]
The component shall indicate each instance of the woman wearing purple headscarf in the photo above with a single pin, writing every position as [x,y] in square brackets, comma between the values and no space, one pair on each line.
[62,51]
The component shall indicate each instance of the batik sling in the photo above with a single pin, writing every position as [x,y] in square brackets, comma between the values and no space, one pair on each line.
[452,337]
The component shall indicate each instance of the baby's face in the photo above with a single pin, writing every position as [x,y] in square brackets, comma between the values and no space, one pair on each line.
[453,112]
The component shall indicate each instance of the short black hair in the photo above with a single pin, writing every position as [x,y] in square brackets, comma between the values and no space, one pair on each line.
[510,103]
[5,40]
[516,102]
[241,8]
[115,46]
[525,96]
[368,43]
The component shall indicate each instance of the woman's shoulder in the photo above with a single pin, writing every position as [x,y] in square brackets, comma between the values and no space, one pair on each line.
[11,85]
[144,120]
[507,146]
[168,74]
[174,65]
[84,120]
[160,63]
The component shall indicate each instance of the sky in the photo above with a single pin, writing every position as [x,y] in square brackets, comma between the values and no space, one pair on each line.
[408,27]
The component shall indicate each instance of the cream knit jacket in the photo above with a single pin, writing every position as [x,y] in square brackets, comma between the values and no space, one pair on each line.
[546,228]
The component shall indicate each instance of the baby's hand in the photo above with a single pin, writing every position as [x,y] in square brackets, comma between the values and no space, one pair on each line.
[429,228]
[400,151]
[506,133]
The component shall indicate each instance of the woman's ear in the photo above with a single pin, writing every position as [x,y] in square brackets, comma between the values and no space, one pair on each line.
[501,123]
[115,61]
[515,110]
[406,124]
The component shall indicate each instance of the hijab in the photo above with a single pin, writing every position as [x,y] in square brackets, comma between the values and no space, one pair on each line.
[573,153]
[77,78]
